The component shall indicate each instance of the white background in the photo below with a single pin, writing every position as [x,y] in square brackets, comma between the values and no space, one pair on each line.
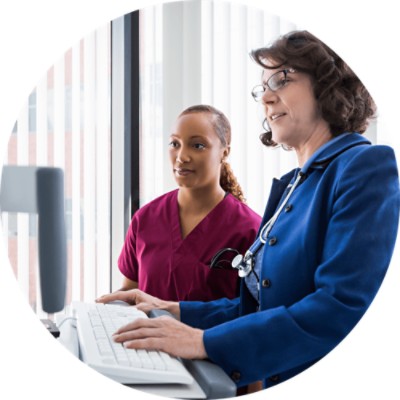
[34,34]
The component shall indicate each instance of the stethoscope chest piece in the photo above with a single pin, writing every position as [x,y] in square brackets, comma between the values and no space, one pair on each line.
[244,265]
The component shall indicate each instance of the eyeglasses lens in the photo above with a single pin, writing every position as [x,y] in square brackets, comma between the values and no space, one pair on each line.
[258,92]
[277,81]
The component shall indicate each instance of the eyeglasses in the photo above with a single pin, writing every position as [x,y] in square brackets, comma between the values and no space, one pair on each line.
[274,83]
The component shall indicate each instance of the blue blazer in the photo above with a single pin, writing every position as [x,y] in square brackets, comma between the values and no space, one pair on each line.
[331,247]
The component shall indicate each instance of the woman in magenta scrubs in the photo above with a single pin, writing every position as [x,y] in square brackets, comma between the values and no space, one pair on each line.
[172,240]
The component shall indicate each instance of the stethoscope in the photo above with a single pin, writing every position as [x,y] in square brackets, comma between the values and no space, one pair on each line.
[245,264]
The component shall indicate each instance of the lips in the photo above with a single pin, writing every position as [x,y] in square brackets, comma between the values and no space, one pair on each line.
[273,117]
[183,171]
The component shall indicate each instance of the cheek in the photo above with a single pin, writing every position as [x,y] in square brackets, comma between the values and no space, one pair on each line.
[303,112]
[172,156]
[310,113]
[211,163]
[309,107]
[216,158]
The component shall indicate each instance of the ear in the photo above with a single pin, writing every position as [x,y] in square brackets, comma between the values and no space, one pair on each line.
[225,153]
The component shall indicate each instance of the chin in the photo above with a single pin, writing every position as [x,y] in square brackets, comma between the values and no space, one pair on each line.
[282,140]
[186,185]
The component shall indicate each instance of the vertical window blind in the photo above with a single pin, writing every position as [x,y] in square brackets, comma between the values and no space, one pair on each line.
[211,65]
[66,124]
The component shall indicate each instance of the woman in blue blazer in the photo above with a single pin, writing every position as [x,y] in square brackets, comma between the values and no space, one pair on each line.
[326,238]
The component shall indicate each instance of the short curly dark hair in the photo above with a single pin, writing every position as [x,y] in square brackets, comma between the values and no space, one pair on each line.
[344,102]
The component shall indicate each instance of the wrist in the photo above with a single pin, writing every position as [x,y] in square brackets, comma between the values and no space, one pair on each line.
[172,307]
[202,354]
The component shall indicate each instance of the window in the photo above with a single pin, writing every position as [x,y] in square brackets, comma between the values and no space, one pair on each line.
[66,123]
[197,52]
[187,53]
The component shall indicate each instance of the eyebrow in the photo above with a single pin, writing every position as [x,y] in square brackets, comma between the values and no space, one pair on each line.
[278,69]
[191,137]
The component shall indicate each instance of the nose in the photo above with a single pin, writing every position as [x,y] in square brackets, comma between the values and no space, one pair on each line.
[182,155]
[269,97]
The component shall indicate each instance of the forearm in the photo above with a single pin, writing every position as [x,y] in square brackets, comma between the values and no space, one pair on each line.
[204,315]
[271,342]
[128,284]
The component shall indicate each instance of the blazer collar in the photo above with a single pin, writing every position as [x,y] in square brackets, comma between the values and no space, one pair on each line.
[330,150]
[319,160]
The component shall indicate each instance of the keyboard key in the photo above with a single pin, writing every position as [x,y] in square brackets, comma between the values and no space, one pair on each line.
[134,359]
[166,358]
[157,360]
[110,361]
[96,323]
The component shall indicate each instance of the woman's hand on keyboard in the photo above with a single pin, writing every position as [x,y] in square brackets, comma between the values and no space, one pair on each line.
[163,334]
[143,301]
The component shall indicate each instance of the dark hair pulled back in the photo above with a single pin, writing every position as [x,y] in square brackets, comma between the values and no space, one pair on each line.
[222,128]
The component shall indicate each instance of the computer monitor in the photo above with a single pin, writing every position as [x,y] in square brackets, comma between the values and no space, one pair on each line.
[40,190]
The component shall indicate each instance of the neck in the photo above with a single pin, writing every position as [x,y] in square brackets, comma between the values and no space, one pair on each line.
[199,200]
[307,149]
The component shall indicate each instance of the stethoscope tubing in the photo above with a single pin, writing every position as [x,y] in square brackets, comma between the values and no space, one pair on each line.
[245,264]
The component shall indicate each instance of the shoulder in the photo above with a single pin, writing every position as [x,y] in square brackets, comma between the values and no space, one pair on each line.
[365,170]
[368,159]
[370,151]
[236,207]
[349,146]
[157,205]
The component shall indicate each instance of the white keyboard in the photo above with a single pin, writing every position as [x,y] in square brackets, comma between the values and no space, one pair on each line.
[96,324]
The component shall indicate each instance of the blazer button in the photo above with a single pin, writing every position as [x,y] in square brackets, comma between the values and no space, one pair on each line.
[274,378]
[266,283]
[235,375]
[288,208]
[272,241]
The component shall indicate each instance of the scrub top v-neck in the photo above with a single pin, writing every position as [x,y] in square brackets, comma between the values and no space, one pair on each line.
[167,266]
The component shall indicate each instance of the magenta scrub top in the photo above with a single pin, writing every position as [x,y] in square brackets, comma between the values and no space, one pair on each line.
[171,268]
